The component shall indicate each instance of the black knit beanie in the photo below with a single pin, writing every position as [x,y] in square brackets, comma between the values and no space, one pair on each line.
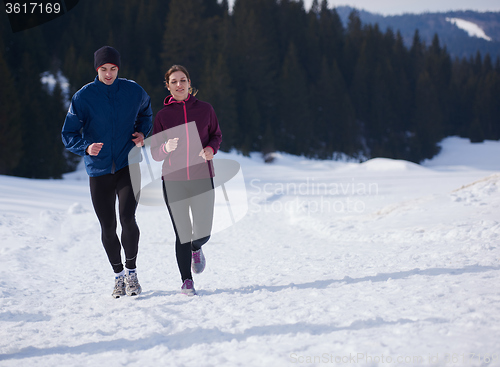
[105,55]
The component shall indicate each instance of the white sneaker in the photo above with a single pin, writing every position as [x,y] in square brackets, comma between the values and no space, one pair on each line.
[119,287]
[132,286]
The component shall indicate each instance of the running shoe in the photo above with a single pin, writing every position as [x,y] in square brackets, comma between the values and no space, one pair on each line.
[188,288]
[132,286]
[119,287]
[198,261]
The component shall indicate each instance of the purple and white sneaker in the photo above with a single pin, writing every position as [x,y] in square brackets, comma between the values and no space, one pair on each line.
[188,288]
[198,261]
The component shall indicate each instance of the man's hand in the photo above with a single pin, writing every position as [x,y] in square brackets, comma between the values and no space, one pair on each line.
[139,139]
[94,149]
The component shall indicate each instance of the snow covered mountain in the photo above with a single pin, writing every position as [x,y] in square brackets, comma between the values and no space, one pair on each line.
[463,32]
[472,29]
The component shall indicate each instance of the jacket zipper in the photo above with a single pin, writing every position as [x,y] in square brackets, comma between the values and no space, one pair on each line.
[187,134]
[113,164]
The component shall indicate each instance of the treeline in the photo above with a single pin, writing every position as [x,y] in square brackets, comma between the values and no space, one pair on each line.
[279,77]
[458,42]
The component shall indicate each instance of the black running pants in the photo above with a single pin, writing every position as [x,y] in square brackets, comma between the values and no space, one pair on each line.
[104,190]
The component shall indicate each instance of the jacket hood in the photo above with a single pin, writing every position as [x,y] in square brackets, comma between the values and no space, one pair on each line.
[170,100]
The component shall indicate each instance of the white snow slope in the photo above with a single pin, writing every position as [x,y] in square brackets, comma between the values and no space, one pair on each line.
[472,29]
[380,263]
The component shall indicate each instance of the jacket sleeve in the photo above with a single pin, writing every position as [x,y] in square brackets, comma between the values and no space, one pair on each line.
[71,132]
[214,131]
[143,123]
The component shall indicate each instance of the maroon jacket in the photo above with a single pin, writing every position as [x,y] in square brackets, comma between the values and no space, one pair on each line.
[195,124]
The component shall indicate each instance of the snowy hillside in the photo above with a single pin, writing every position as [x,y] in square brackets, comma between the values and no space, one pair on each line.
[471,28]
[464,33]
[362,264]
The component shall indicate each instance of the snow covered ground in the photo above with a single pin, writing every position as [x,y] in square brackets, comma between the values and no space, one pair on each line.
[378,263]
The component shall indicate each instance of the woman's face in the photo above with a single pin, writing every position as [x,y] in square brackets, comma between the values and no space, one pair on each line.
[178,85]
[107,73]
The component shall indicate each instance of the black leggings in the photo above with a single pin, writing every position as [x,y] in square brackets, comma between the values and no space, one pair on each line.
[180,197]
[104,190]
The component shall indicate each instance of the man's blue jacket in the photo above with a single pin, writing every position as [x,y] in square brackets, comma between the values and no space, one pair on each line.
[108,114]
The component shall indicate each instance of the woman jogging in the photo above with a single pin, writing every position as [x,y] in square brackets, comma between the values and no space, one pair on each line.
[186,135]
[105,120]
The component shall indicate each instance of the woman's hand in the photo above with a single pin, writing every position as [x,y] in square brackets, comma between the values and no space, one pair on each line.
[171,145]
[207,153]
[94,149]
[139,139]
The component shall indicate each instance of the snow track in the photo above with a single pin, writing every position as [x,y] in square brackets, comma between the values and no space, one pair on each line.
[409,276]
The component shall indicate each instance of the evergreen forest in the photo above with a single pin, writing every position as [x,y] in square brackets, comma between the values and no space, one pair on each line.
[280,78]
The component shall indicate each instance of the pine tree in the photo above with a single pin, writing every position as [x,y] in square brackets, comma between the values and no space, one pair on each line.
[216,89]
[346,139]
[438,65]
[313,36]
[296,133]
[148,31]
[486,107]
[250,124]
[402,93]
[331,33]
[417,51]
[57,162]
[292,21]
[360,86]
[183,36]
[253,65]
[335,116]
[428,117]
[11,147]
[35,135]
[353,44]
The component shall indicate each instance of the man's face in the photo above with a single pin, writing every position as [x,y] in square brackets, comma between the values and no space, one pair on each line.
[107,73]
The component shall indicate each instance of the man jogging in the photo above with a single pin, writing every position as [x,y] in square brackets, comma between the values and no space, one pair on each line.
[105,120]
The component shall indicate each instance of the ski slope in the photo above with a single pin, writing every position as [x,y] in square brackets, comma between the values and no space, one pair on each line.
[363,264]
